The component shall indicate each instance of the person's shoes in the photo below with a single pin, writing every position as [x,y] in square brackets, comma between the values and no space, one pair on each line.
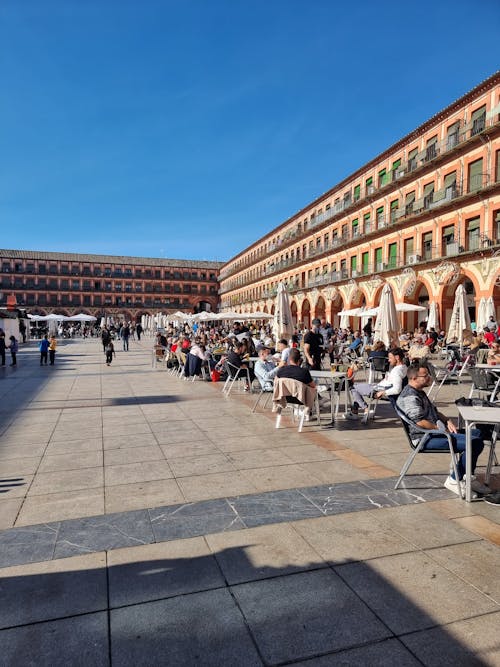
[458,488]
[478,487]
[351,416]
[355,408]
[492,498]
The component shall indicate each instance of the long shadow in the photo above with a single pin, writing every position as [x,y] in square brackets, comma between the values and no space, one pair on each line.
[221,609]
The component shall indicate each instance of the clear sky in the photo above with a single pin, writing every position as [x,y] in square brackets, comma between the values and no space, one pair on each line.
[190,128]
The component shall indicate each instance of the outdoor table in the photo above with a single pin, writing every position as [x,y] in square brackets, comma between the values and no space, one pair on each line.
[496,371]
[332,377]
[473,415]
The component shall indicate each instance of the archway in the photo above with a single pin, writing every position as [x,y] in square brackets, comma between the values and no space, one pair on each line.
[320,309]
[448,299]
[293,308]
[306,314]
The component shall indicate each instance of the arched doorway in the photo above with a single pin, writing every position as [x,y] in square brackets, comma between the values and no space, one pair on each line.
[306,314]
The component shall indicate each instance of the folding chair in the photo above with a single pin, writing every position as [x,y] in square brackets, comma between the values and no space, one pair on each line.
[439,377]
[377,365]
[419,448]
[263,392]
[234,374]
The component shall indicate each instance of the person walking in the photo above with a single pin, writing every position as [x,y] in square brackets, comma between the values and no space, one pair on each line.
[13,347]
[138,330]
[44,348]
[109,351]
[125,333]
[52,349]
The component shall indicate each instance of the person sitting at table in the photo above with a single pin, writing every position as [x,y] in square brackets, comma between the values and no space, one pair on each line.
[489,336]
[418,350]
[283,349]
[493,357]
[391,385]
[357,344]
[235,358]
[195,358]
[378,351]
[415,404]
[265,368]
[294,370]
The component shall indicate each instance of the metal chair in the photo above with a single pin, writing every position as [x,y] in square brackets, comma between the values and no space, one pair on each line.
[482,381]
[263,392]
[419,448]
[376,365]
[439,377]
[234,374]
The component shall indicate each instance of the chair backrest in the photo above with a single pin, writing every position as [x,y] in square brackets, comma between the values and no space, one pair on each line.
[380,364]
[482,379]
[481,356]
[295,390]
[406,422]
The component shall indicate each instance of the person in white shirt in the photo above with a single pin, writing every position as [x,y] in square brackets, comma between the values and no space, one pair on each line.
[391,385]
[283,349]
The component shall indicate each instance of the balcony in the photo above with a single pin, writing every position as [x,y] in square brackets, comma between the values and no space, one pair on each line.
[478,182]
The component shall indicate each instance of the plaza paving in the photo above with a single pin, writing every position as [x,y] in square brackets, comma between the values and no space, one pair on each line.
[147,520]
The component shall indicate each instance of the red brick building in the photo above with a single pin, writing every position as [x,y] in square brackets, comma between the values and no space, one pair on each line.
[106,285]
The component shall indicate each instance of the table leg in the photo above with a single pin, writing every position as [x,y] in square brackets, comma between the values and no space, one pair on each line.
[495,389]
[468,462]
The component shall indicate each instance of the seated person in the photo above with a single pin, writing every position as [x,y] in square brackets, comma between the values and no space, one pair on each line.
[235,358]
[293,369]
[378,350]
[357,344]
[283,350]
[418,350]
[194,359]
[489,336]
[265,368]
[391,385]
[414,403]
[493,357]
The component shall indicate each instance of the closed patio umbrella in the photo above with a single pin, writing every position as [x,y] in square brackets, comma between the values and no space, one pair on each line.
[387,323]
[460,320]
[282,324]
[485,311]
[433,319]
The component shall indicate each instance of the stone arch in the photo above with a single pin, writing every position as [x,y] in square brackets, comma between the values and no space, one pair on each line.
[320,307]
[447,297]
[293,308]
[305,314]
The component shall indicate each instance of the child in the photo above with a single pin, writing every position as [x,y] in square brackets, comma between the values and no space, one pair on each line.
[13,347]
[109,351]
[44,348]
[52,349]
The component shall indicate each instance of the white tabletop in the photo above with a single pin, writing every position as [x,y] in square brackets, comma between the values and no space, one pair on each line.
[328,374]
[488,367]
[479,414]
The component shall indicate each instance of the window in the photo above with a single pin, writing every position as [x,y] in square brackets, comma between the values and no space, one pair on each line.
[475,175]
[428,194]
[380,217]
[395,167]
[431,149]
[393,255]
[448,240]
[355,227]
[496,225]
[369,186]
[378,259]
[365,262]
[383,178]
[366,223]
[357,192]
[410,198]
[497,167]
[473,233]
[394,208]
[412,159]
[354,261]
[478,120]
[450,185]
[452,135]
[409,250]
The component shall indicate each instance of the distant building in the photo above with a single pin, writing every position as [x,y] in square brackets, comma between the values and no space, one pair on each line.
[423,216]
[104,285]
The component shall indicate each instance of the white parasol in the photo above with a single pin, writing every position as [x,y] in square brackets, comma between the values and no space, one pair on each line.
[460,320]
[282,324]
[387,324]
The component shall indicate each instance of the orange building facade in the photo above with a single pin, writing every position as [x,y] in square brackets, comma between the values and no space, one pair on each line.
[102,285]
[424,216]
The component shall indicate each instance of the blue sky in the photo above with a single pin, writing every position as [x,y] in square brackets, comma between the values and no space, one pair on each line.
[188,129]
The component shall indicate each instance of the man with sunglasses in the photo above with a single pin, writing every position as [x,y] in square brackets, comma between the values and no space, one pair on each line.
[413,401]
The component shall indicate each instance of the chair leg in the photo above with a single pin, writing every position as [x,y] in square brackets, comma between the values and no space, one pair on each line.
[278,417]
[257,401]
[406,466]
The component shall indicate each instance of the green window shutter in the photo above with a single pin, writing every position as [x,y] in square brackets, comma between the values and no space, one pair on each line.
[394,204]
[383,179]
[473,224]
[428,189]
[393,255]
[475,175]
[357,192]
[355,222]
[366,217]
[497,168]
[380,210]
[365,257]
[410,198]
[412,153]
[378,255]
[450,179]
[396,164]
[353,263]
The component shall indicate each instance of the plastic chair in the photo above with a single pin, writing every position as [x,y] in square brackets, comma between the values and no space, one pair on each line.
[300,410]
[263,392]
[482,381]
[419,448]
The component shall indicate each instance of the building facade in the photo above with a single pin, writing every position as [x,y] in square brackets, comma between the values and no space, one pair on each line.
[424,216]
[102,285]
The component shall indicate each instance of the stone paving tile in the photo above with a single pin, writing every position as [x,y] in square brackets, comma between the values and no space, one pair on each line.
[274,507]
[8,452]
[27,545]
[188,449]
[124,441]
[334,471]
[193,519]
[53,589]
[306,614]
[73,446]
[141,495]
[15,486]
[9,509]
[68,480]
[259,553]
[380,654]
[97,533]
[216,485]
[61,506]
[21,466]
[114,457]
[351,537]
[165,628]
[156,571]
[426,601]
[274,478]
[142,471]
[79,641]
[201,464]
[74,461]
[259,458]
[186,436]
